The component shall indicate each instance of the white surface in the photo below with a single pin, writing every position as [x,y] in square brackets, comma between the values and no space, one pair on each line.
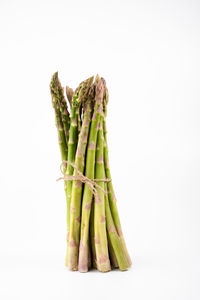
[148,51]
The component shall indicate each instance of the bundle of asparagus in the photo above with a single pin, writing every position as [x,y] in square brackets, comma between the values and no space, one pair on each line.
[94,234]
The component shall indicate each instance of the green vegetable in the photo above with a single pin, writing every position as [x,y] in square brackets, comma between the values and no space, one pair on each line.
[94,233]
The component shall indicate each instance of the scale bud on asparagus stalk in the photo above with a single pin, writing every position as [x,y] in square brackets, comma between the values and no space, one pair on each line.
[94,231]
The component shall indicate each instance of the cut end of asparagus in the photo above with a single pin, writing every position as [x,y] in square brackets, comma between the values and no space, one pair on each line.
[83,258]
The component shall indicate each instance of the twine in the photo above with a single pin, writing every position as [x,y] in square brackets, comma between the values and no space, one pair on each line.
[80,177]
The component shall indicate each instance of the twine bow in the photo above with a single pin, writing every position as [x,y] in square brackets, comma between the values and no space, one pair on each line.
[80,177]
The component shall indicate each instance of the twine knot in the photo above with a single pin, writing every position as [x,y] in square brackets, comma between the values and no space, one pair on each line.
[92,183]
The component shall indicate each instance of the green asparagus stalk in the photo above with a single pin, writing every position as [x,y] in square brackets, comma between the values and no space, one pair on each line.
[72,145]
[111,195]
[89,172]
[61,117]
[86,96]
[101,244]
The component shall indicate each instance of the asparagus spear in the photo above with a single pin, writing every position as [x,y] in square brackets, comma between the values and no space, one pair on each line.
[89,172]
[72,144]
[111,195]
[86,100]
[100,236]
[60,117]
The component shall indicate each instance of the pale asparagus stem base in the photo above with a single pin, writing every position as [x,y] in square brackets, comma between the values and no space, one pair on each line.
[112,198]
[89,256]
[89,172]
[101,244]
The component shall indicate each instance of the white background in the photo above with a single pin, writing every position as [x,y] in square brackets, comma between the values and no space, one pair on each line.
[148,52]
